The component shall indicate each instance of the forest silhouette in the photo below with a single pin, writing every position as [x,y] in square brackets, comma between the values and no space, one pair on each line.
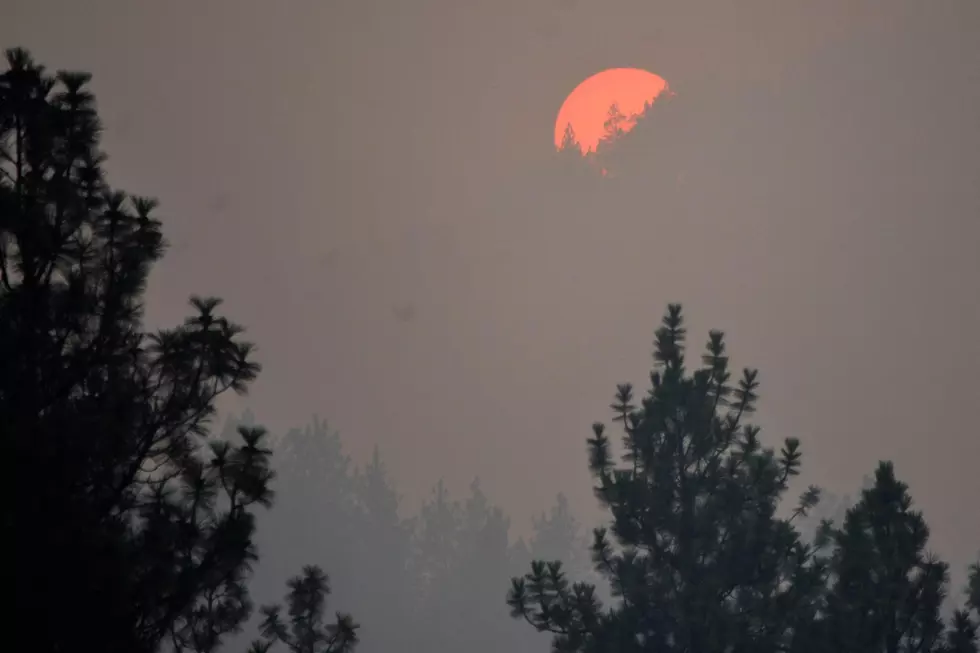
[138,529]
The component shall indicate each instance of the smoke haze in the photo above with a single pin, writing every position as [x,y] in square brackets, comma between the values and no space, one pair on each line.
[372,188]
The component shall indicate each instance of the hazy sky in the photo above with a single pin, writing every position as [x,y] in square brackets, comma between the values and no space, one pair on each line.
[359,180]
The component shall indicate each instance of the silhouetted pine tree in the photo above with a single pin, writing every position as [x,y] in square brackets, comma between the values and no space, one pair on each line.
[573,167]
[662,142]
[569,142]
[887,589]
[307,630]
[963,635]
[702,563]
[615,125]
[130,530]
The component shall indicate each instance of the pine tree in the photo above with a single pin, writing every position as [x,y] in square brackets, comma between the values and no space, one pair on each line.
[557,537]
[963,635]
[129,528]
[615,125]
[569,142]
[377,501]
[703,562]
[664,140]
[384,542]
[308,631]
[436,545]
[574,167]
[483,547]
[887,589]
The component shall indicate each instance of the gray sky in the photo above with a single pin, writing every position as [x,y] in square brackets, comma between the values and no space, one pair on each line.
[360,181]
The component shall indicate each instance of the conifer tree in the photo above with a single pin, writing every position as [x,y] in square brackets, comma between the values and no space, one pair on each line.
[963,635]
[436,547]
[383,546]
[130,529]
[574,167]
[378,503]
[664,139]
[307,630]
[483,549]
[557,537]
[701,562]
[615,124]
[886,589]
[569,142]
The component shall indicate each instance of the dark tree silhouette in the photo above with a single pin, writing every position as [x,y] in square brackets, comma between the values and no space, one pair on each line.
[614,126]
[308,631]
[655,148]
[887,589]
[962,636]
[573,167]
[569,142]
[704,563]
[131,530]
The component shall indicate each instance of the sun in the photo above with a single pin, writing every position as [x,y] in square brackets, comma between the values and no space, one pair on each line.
[586,108]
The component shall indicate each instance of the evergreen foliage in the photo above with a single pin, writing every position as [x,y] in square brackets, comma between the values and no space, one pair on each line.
[307,630]
[133,531]
[702,560]
[886,589]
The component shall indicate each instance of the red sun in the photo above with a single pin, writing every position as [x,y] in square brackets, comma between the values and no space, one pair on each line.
[586,108]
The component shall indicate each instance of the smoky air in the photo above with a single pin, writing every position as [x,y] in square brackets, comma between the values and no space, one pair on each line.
[460,326]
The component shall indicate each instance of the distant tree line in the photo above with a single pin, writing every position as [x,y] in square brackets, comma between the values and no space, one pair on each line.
[427,578]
